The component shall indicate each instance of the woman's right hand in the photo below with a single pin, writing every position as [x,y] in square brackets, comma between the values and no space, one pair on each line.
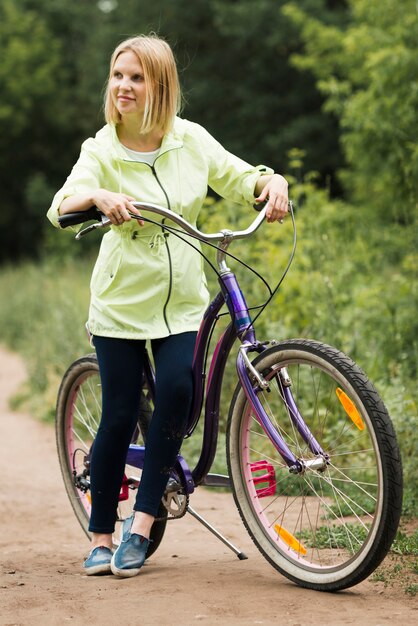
[115,206]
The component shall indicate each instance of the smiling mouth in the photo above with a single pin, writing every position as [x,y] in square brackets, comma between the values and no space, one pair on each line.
[125,98]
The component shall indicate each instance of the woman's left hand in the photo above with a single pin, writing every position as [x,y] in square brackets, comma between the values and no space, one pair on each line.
[275,191]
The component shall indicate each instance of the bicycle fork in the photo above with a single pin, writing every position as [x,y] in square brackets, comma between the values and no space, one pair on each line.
[246,371]
[244,329]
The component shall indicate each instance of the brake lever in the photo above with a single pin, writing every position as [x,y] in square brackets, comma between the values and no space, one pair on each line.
[105,221]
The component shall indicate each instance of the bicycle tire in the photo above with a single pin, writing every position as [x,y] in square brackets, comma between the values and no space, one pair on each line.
[325,529]
[77,417]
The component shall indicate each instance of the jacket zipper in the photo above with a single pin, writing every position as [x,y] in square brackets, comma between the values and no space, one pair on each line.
[170,263]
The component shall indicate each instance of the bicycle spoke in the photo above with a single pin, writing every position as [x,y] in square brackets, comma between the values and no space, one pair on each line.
[77,421]
[316,522]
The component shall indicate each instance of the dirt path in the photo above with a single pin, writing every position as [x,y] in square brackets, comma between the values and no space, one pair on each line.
[191,579]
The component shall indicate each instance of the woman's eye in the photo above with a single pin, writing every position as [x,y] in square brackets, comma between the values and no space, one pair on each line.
[137,77]
[117,75]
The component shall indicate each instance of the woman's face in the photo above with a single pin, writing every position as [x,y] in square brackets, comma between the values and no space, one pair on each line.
[127,85]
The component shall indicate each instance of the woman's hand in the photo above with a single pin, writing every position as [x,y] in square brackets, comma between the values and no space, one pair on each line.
[274,188]
[113,205]
[116,206]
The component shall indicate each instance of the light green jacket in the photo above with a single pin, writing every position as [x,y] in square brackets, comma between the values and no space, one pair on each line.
[148,284]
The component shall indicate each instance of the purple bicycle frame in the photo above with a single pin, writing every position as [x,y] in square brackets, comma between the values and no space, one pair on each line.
[241,328]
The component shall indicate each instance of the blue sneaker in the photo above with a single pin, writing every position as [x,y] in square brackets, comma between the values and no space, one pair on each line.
[131,552]
[126,527]
[98,561]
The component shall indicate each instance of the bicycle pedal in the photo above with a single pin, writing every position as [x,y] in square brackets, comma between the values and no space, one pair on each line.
[266,480]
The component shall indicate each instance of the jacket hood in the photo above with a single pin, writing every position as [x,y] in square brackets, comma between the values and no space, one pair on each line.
[172,140]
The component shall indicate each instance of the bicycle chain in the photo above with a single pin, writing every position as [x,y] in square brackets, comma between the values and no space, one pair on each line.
[81,482]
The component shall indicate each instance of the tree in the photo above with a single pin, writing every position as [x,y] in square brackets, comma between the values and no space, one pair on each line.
[28,74]
[233,60]
[368,73]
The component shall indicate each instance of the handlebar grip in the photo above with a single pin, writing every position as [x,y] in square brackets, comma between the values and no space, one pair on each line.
[259,206]
[78,217]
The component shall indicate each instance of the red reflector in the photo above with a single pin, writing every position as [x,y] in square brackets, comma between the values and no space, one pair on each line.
[124,490]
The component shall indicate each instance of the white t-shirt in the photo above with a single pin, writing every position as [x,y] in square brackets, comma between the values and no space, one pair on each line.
[142,157]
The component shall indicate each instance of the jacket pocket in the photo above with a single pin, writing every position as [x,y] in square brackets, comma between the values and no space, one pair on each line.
[105,272]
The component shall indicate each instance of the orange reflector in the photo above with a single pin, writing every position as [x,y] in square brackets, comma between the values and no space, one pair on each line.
[288,538]
[350,408]
[88,496]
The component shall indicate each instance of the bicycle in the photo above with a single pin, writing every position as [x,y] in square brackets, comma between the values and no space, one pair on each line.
[312,457]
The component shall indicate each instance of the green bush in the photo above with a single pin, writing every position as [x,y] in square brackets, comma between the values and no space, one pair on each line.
[351,285]
[43,318]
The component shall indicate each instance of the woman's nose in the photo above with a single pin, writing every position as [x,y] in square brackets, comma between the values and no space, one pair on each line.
[125,84]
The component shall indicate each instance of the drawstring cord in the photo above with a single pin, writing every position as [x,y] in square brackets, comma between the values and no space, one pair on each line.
[157,240]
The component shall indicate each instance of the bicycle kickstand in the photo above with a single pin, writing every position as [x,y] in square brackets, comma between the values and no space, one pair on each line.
[241,555]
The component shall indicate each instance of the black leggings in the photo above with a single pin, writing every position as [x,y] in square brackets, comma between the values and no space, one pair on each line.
[121,365]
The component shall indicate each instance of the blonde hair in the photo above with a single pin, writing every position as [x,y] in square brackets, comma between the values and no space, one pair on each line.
[163,99]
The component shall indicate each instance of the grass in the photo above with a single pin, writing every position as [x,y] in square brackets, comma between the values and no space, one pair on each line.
[333,536]
[406,544]
[400,568]
[398,573]
[43,318]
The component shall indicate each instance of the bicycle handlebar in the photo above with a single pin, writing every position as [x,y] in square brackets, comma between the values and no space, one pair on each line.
[192,230]
[78,217]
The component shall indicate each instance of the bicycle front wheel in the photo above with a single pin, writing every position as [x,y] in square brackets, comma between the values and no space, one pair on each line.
[328,526]
[77,420]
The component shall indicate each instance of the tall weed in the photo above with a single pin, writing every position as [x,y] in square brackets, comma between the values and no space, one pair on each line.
[42,315]
[351,285]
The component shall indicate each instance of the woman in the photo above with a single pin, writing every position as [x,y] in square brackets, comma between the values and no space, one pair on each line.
[147,284]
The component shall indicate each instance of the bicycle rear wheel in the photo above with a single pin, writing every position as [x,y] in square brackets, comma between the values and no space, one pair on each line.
[328,527]
[77,419]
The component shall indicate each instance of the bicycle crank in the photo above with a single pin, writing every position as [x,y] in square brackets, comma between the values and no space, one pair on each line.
[174,500]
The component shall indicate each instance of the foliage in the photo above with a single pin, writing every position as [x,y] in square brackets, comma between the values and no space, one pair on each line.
[343,288]
[43,318]
[368,73]
[406,544]
[29,72]
[55,56]
[352,77]
[398,572]
[24,55]
[333,537]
